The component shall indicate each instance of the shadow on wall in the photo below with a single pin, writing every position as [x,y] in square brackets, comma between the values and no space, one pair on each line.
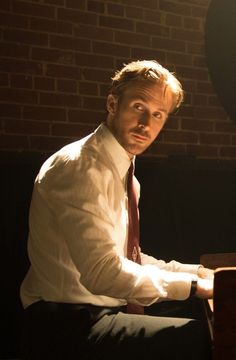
[221,51]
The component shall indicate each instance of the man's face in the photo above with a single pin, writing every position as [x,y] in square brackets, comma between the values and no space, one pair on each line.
[137,118]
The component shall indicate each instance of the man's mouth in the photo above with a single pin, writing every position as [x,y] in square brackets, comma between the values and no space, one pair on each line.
[140,137]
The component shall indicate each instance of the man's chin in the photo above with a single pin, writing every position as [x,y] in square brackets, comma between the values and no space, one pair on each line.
[136,149]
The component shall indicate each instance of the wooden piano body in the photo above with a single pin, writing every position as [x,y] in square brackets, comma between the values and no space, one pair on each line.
[221,311]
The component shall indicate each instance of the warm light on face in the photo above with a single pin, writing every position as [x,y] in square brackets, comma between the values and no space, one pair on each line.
[137,117]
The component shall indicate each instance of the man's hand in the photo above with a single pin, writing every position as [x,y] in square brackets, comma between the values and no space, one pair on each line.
[205,273]
[204,288]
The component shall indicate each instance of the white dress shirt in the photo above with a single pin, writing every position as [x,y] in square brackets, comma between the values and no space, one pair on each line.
[78,233]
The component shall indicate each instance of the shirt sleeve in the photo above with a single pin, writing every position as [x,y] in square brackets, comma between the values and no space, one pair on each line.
[171,265]
[82,212]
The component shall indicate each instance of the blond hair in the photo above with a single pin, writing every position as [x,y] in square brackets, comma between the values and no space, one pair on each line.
[149,71]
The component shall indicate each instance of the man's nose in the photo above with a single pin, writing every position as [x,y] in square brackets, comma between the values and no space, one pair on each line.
[145,119]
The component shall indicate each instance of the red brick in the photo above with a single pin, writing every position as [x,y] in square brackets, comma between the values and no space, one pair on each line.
[187,99]
[200,100]
[161,149]
[192,73]
[59,100]
[81,59]
[167,44]
[203,151]
[96,6]
[20,66]
[44,83]
[177,58]
[14,50]
[205,87]
[198,11]
[213,100]
[172,123]
[196,125]
[188,85]
[10,110]
[25,37]
[139,53]
[199,61]
[4,81]
[96,75]
[68,42]
[116,23]
[204,3]
[12,20]
[4,5]
[94,103]
[12,142]
[21,81]
[52,55]
[152,29]
[56,2]
[18,96]
[228,151]
[180,136]
[175,8]
[110,49]
[48,143]
[149,4]
[88,88]
[76,16]
[209,113]
[214,139]
[104,89]
[42,113]
[186,111]
[93,32]
[97,61]
[192,23]
[61,71]
[226,127]
[115,9]
[134,13]
[86,116]
[195,48]
[28,8]
[75,130]
[130,38]
[51,26]
[68,86]
[174,20]
[26,127]
[75,4]
[152,16]
[192,36]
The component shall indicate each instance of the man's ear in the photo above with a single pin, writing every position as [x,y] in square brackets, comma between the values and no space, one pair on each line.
[112,103]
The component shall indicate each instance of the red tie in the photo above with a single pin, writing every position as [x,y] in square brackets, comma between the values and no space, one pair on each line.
[133,251]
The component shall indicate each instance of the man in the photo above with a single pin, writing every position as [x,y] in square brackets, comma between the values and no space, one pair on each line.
[82,276]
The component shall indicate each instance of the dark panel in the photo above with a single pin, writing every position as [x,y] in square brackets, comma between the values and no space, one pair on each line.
[186,212]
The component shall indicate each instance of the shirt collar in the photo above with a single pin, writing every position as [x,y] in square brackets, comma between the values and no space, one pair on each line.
[119,156]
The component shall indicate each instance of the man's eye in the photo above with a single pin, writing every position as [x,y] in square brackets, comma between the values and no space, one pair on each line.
[138,107]
[158,115]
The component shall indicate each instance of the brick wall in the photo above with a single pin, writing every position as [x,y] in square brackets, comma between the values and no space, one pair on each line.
[57,57]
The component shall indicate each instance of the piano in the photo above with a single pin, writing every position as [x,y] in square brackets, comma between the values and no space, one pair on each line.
[221,310]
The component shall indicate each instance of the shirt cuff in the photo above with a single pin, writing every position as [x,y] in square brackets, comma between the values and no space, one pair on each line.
[178,285]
